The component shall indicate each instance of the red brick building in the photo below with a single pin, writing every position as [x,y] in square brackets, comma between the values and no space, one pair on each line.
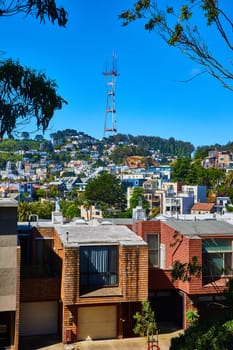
[211,242]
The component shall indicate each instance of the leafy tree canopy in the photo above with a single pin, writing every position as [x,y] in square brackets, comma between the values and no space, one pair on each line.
[70,209]
[142,145]
[185,170]
[25,135]
[185,271]
[209,335]
[138,196]
[11,145]
[42,9]
[145,320]
[25,94]
[180,24]
[106,188]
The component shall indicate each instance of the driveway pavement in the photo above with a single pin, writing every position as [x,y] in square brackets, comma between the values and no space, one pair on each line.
[52,343]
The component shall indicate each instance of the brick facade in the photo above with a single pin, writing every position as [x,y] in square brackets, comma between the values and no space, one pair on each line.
[181,247]
[132,286]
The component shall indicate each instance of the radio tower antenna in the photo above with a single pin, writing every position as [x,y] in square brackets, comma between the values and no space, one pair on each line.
[110,112]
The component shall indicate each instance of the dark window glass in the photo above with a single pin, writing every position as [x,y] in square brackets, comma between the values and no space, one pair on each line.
[98,266]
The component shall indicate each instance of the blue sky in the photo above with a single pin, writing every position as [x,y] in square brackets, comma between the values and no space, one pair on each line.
[150,97]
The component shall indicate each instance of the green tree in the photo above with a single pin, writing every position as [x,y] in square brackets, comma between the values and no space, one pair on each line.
[214,334]
[54,192]
[25,93]
[41,193]
[192,316]
[24,210]
[42,209]
[185,271]
[214,177]
[25,135]
[43,9]
[196,174]
[180,25]
[138,197]
[69,209]
[106,188]
[181,169]
[39,138]
[145,320]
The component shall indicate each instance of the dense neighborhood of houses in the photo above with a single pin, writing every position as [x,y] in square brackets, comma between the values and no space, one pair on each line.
[87,277]
[80,163]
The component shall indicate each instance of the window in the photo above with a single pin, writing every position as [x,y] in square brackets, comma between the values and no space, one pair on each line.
[153,247]
[98,266]
[217,257]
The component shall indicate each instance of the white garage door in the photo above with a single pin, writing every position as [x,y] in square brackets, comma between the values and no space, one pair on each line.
[38,318]
[98,322]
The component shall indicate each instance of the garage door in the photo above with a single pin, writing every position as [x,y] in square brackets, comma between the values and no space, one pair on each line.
[38,318]
[98,322]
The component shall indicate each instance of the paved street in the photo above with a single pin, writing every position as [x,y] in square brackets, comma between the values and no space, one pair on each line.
[45,343]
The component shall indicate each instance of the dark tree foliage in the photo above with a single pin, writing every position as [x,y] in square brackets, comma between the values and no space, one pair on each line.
[185,271]
[25,94]
[202,151]
[106,188]
[70,132]
[121,152]
[145,143]
[212,335]
[180,24]
[39,138]
[181,169]
[138,197]
[25,135]
[41,9]
[190,172]
[145,320]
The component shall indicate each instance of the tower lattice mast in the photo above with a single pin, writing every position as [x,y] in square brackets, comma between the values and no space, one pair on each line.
[110,112]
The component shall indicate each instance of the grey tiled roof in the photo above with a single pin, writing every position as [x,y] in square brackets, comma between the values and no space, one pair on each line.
[201,227]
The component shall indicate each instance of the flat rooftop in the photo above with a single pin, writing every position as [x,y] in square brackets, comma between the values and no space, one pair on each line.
[94,233]
[200,227]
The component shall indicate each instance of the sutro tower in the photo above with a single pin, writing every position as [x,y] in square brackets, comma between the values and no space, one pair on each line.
[110,112]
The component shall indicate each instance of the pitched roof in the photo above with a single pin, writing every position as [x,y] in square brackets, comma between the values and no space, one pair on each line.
[203,206]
